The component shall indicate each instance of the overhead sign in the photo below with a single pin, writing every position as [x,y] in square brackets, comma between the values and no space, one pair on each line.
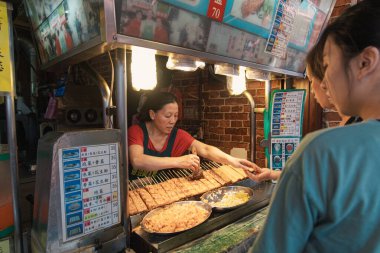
[216,9]
[5,52]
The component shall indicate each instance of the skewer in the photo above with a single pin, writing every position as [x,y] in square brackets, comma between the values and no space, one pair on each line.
[166,177]
[209,166]
[177,173]
[141,182]
[183,174]
[160,178]
[154,180]
[171,173]
[203,166]
[215,164]
[136,185]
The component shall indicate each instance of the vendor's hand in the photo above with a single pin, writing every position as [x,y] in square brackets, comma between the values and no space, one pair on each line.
[244,164]
[189,162]
[263,174]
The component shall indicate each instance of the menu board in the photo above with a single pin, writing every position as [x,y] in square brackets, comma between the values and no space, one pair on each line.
[274,33]
[62,25]
[286,117]
[282,28]
[90,189]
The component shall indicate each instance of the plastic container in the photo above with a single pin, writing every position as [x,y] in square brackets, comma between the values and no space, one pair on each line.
[6,206]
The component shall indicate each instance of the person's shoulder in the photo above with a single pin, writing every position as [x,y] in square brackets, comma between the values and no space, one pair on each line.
[134,129]
[183,133]
[336,136]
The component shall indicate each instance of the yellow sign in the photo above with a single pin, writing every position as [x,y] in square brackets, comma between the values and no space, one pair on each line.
[5,54]
[4,246]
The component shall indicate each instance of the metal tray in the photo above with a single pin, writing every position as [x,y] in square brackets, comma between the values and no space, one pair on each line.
[201,204]
[214,196]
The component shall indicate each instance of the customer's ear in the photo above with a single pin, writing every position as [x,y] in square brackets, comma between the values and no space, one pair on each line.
[368,61]
[152,115]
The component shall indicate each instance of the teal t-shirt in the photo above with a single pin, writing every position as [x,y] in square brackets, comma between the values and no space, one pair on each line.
[328,196]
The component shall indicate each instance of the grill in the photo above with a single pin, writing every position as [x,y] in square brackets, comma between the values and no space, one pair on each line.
[142,241]
[173,185]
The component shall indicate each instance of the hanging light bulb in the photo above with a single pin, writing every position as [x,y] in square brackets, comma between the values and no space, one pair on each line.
[180,62]
[236,85]
[143,68]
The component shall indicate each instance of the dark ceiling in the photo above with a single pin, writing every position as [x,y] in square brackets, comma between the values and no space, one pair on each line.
[18,13]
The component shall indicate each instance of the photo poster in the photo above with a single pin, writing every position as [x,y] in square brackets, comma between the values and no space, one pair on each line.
[164,23]
[39,11]
[242,34]
[308,22]
[70,24]
[197,6]
[253,16]
[285,119]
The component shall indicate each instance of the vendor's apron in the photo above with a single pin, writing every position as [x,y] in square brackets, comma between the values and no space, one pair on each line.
[136,173]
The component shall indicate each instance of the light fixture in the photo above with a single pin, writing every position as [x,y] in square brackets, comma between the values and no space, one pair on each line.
[226,69]
[257,74]
[143,68]
[236,85]
[184,63]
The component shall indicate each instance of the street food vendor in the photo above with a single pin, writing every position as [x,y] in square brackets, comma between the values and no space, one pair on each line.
[156,144]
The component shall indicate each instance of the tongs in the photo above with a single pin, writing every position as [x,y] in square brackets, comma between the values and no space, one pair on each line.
[198,173]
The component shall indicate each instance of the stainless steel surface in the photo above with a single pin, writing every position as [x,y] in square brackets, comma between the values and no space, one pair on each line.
[29,48]
[201,204]
[47,233]
[120,69]
[146,242]
[268,87]
[217,195]
[12,141]
[104,90]
[92,48]
[252,126]
[109,20]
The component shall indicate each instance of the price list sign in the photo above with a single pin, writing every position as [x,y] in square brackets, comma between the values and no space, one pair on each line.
[286,125]
[282,28]
[90,192]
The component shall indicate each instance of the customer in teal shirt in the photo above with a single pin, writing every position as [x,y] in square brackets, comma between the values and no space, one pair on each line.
[327,198]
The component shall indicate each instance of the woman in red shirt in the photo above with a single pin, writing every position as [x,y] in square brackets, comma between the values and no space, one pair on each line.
[155,144]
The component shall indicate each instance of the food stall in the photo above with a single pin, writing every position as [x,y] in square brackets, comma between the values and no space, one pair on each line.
[270,39]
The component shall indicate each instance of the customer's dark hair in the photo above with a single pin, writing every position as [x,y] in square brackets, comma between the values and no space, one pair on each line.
[357,28]
[314,59]
[155,101]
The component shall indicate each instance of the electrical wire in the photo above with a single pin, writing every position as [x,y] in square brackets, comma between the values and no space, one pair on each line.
[111,89]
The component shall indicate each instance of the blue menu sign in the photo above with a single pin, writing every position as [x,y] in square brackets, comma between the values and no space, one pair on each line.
[90,192]
[286,119]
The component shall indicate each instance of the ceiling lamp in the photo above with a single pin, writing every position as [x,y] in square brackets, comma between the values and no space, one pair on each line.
[184,63]
[143,68]
[226,69]
[257,74]
[236,85]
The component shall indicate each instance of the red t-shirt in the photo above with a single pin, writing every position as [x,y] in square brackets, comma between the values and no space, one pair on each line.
[182,140]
